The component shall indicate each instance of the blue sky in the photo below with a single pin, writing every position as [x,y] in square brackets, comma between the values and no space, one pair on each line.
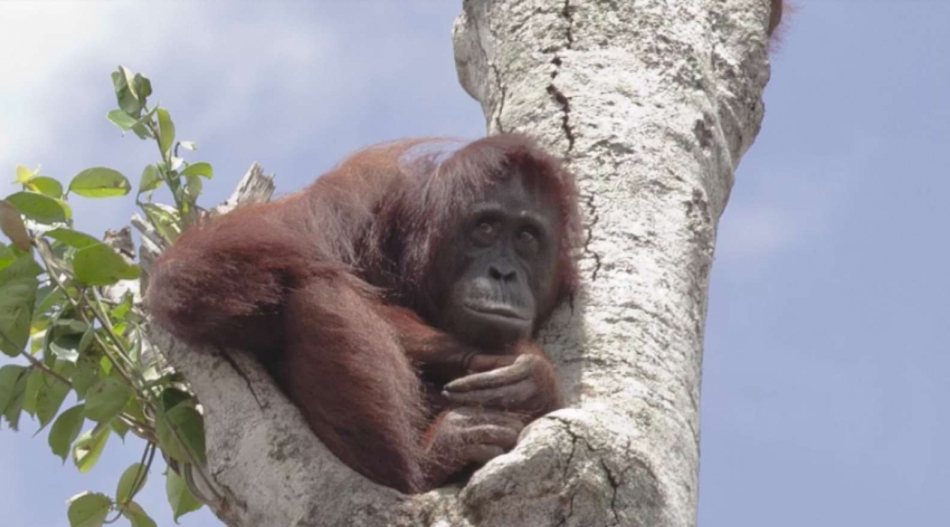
[826,368]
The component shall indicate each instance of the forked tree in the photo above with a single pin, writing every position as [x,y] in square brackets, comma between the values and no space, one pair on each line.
[651,104]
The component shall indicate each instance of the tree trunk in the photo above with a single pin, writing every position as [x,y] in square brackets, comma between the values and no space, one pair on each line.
[651,103]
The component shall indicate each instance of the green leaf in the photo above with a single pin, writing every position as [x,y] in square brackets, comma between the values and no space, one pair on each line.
[86,374]
[151,179]
[124,91]
[198,169]
[127,122]
[122,308]
[72,238]
[166,130]
[192,188]
[23,267]
[67,210]
[23,174]
[47,297]
[135,514]
[9,376]
[134,409]
[165,219]
[33,383]
[49,397]
[100,265]
[106,399]
[179,497]
[131,90]
[121,119]
[12,225]
[172,397]
[142,131]
[18,285]
[87,339]
[65,430]
[99,182]
[141,128]
[15,404]
[66,346]
[64,368]
[143,86]
[105,366]
[39,207]
[120,427]
[8,254]
[131,481]
[64,324]
[186,423]
[46,185]
[88,509]
[88,447]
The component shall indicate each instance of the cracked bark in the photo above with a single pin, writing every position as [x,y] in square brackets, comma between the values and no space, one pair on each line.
[652,104]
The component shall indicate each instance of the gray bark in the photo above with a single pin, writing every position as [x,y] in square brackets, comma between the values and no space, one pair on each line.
[651,103]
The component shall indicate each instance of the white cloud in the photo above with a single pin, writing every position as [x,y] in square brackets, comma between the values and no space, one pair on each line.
[36,41]
[221,67]
[274,78]
[58,55]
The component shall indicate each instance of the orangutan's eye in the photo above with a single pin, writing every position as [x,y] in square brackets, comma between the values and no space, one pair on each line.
[527,242]
[485,233]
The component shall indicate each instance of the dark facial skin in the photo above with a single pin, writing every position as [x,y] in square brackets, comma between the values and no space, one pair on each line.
[499,270]
[504,264]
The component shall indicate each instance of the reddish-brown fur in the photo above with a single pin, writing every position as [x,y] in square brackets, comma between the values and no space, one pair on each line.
[776,21]
[330,287]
